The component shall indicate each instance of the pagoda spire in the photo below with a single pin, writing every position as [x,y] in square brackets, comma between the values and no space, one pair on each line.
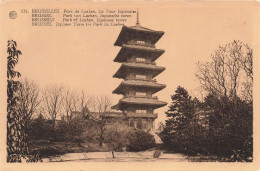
[137,18]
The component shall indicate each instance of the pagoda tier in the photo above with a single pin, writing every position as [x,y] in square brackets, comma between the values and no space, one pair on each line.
[142,85]
[134,67]
[130,50]
[138,32]
[138,102]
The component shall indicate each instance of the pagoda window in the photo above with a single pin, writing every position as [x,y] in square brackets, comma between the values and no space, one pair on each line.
[140,94]
[140,111]
[140,60]
[140,42]
[142,77]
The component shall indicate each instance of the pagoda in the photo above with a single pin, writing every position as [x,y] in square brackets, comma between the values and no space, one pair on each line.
[138,70]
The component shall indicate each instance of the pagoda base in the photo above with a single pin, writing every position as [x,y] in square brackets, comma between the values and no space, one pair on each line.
[141,123]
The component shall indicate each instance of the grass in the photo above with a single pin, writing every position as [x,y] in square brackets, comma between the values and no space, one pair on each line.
[46,148]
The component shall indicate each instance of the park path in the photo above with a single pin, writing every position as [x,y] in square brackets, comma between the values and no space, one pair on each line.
[146,156]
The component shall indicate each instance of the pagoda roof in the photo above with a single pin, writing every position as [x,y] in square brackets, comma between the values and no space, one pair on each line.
[141,101]
[128,50]
[152,85]
[122,71]
[128,32]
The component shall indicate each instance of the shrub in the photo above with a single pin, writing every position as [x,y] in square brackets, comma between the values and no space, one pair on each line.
[117,133]
[140,141]
[39,128]
[48,151]
[61,132]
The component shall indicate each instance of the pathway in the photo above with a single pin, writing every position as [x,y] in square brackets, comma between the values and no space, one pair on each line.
[145,156]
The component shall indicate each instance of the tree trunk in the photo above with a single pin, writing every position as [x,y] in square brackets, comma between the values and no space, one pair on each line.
[100,142]
[101,138]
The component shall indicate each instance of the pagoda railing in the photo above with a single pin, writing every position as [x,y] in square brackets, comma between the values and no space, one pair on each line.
[134,61]
[135,42]
[141,80]
[155,81]
[145,115]
[146,97]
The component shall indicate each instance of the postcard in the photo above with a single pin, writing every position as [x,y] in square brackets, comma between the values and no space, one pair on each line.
[113,85]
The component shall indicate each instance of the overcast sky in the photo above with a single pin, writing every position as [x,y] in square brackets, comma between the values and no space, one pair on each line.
[82,57]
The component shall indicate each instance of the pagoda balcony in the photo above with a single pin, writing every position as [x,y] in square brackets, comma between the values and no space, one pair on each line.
[140,43]
[135,61]
[152,85]
[132,96]
[138,101]
[139,79]
[147,63]
[127,51]
[125,67]
[143,115]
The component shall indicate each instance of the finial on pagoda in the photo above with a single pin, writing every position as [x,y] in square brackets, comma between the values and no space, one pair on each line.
[137,18]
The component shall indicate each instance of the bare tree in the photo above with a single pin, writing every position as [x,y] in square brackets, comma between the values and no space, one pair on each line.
[247,64]
[100,107]
[224,74]
[228,80]
[69,104]
[247,61]
[52,101]
[29,101]
[74,105]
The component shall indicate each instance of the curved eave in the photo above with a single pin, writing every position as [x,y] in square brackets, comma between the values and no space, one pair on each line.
[122,71]
[128,50]
[123,37]
[155,87]
[125,102]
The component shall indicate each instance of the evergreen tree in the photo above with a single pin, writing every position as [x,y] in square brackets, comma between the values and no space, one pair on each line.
[180,114]
[180,110]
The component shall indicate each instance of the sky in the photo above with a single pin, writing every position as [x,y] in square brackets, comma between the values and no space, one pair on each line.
[82,57]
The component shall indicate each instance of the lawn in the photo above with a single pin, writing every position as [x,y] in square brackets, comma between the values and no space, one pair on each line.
[46,148]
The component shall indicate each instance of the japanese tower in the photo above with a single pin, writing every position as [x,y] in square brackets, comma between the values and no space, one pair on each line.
[138,70]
